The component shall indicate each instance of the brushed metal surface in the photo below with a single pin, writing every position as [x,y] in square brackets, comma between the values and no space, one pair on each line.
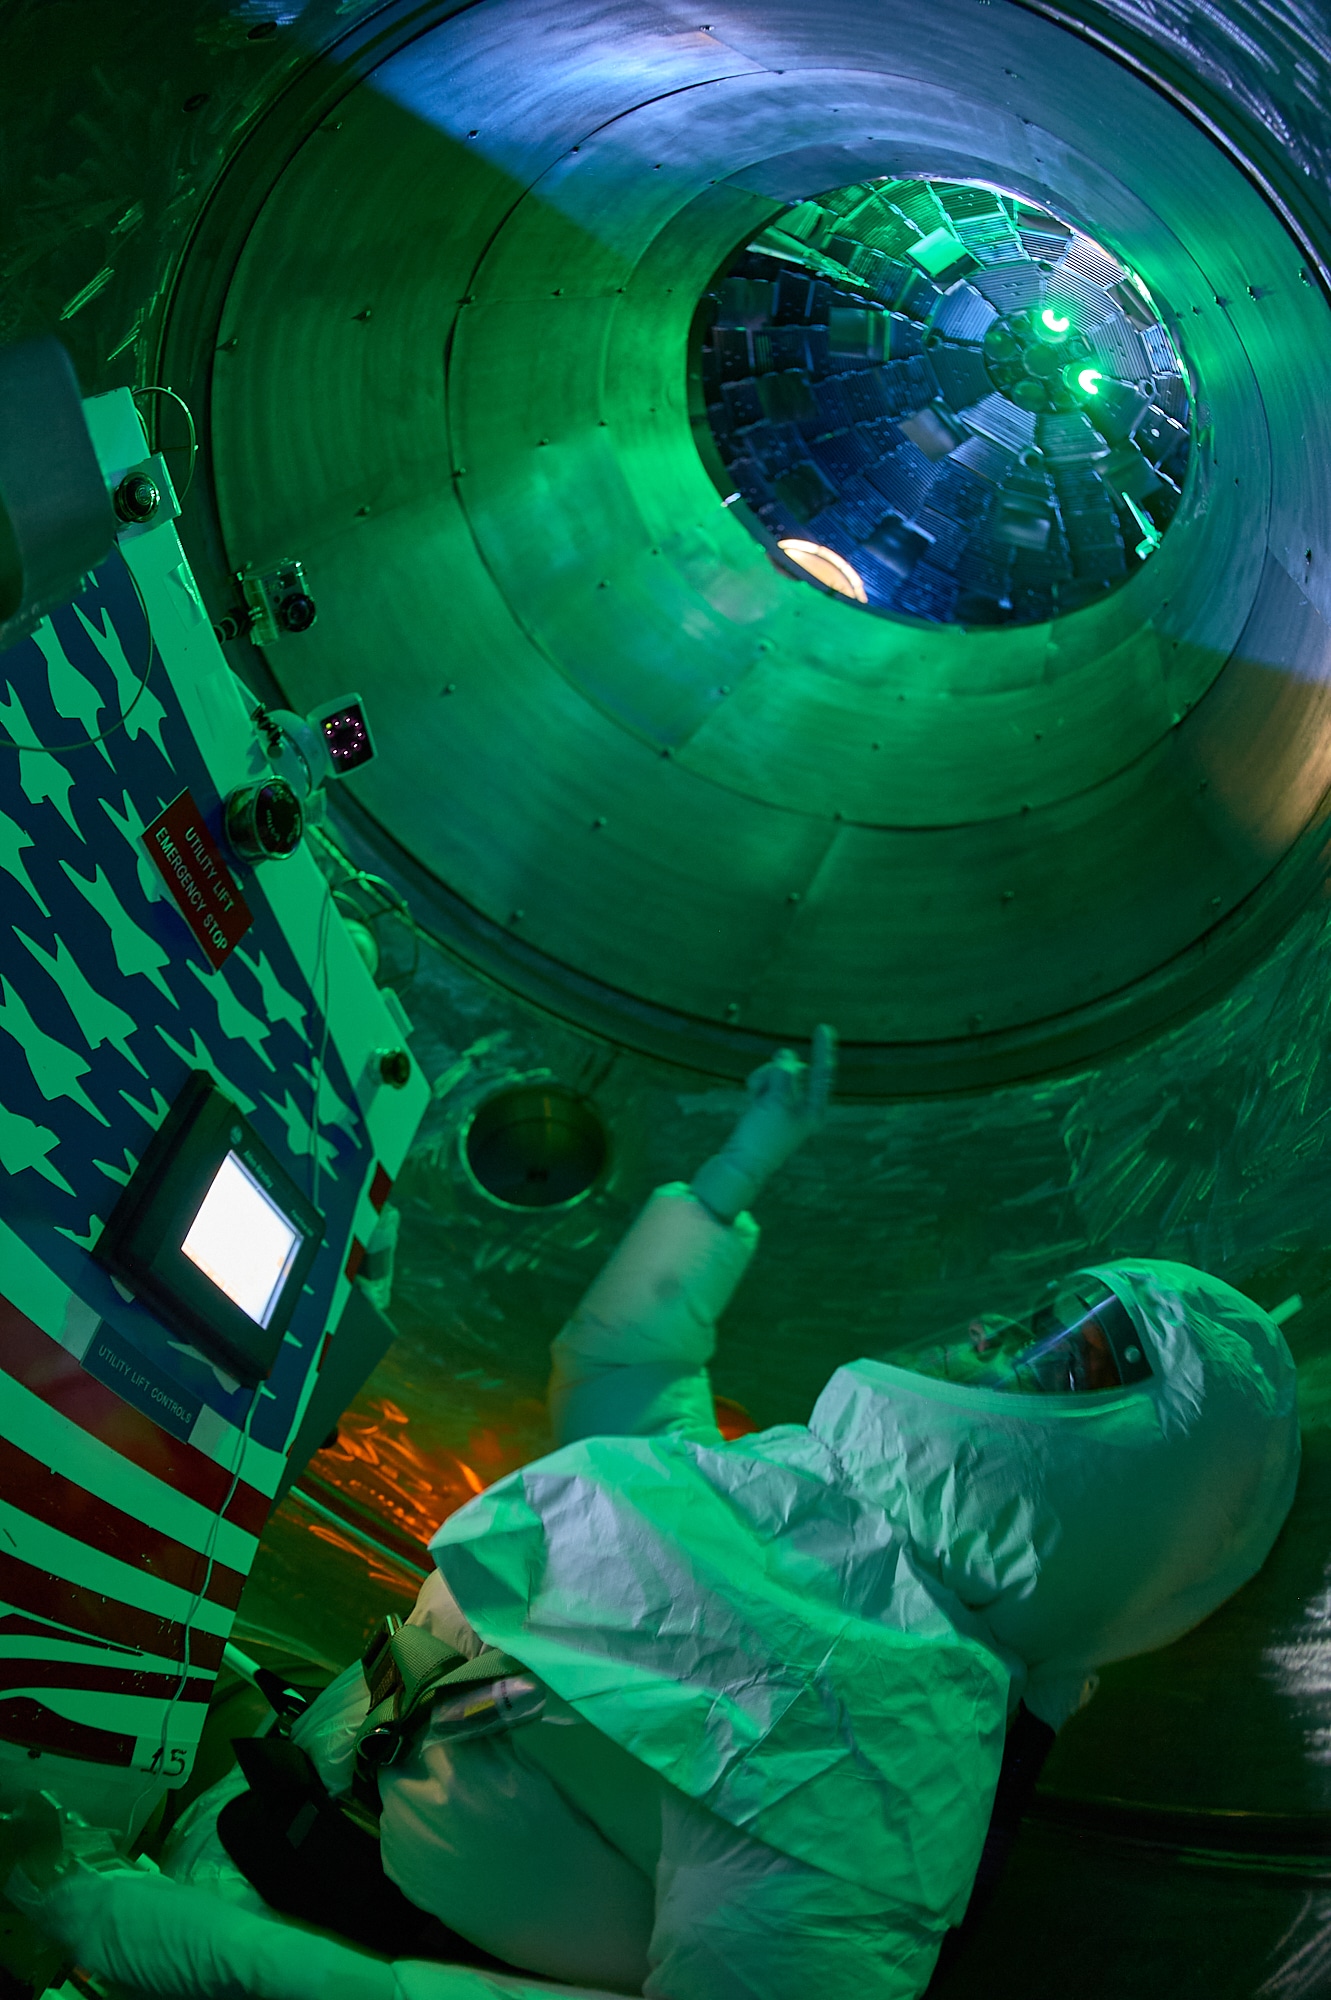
[453,376]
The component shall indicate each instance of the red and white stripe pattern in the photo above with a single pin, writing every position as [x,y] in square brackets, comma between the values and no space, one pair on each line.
[112,1544]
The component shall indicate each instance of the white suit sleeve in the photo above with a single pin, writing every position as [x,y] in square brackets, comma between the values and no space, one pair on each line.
[633,1358]
[736,1920]
[162,1940]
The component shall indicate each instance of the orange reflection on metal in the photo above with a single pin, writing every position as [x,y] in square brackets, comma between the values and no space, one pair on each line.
[390,1477]
[375,1567]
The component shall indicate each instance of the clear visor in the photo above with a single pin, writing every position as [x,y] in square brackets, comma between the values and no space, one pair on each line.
[1080,1339]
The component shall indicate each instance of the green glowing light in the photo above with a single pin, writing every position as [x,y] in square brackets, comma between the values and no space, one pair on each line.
[1089,380]
[1056,322]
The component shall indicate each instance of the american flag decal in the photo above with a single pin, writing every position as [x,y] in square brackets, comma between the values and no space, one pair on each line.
[125,1542]
[106,1523]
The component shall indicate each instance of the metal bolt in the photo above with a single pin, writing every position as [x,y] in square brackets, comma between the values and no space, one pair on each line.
[515,916]
[450,687]
[599,820]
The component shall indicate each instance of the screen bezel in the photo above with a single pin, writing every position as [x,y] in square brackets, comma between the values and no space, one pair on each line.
[142,1241]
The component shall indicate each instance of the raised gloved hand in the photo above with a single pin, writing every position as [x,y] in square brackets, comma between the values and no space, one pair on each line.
[789,1101]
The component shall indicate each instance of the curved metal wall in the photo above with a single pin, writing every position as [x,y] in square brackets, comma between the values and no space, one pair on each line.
[451,377]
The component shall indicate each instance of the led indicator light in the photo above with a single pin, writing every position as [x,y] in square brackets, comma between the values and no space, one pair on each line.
[1056,322]
[1089,380]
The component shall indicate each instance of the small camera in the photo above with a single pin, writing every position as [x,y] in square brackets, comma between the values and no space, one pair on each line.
[277,601]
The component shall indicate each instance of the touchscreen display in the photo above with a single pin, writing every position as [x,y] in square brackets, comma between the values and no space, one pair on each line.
[242,1241]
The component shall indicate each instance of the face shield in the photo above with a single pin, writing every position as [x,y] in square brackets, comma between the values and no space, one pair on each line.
[1079,1339]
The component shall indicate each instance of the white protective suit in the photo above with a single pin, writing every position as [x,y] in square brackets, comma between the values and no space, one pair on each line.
[808,1640]
[818,1633]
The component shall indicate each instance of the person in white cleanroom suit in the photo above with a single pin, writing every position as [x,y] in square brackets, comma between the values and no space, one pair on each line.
[772,1677]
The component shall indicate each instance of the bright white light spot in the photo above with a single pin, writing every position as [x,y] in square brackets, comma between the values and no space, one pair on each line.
[1056,322]
[1089,381]
[242,1241]
[826,567]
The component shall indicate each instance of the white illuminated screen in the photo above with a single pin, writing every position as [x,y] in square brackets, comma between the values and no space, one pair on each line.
[242,1241]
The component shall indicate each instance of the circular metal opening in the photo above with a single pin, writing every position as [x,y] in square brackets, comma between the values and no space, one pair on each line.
[985,851]
[535,1145]
[942,402]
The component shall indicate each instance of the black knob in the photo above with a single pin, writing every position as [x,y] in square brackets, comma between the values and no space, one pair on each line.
[137,498]
[264,822]
[395,1068]
[296,612]
[233,624]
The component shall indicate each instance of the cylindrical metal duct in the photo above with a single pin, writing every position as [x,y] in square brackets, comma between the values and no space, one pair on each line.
[690,800]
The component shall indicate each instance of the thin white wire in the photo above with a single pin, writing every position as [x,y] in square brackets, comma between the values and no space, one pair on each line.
[320,965]
[210,1563]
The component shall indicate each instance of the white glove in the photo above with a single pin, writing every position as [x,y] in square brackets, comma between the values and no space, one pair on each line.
[789,1101]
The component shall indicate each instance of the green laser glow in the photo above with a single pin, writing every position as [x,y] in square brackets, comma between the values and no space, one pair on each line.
[1089,380]
[1056,322]
[1150,541]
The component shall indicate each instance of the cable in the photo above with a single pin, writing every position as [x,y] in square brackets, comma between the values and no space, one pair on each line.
[87,742]
[394,902]
[210,1563]
[320,965]
[160,389]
